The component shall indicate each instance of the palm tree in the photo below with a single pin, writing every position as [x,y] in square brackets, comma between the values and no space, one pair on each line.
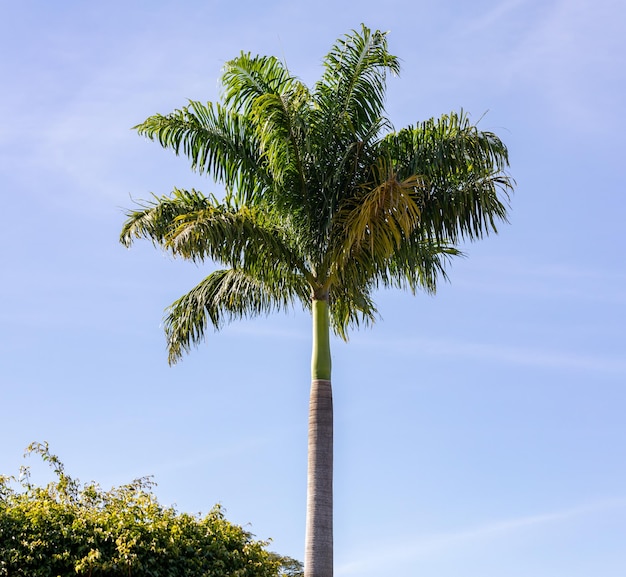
[324,204]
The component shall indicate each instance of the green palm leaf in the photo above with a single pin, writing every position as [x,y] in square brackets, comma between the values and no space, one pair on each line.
[156,219]
[200,228]
[463,172]
[221,297]
[379,216]
[218,141]
[248,77]
[353,86]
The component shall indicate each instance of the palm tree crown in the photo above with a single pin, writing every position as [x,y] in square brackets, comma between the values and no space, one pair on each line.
[322,196]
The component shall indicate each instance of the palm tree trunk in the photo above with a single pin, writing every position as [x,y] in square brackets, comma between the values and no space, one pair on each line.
[318,554]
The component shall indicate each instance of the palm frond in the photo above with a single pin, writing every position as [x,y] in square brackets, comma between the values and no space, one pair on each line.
[223,296]
[419,263]
[277,106]
[381,217]
[354,82]
[281,124]
[242,237]
[156,219]
[351,307]
[247,77]
[466,188]
[218,142]
[199,228]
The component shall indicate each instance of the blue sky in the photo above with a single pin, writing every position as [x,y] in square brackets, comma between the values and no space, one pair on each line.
[479,432]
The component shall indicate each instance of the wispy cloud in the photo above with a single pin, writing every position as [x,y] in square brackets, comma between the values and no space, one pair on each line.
[565,52]
[562,360]
[421,546]
[548,281]
[493,17]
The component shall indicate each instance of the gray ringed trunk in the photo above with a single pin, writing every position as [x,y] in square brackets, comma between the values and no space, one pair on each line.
[318,554]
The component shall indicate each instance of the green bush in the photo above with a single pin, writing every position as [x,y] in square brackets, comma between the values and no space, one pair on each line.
[67,528]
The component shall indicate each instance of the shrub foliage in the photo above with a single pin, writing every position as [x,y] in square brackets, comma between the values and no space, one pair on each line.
[69,528]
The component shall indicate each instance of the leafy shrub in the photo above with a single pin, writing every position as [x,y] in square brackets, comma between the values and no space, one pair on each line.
[67,528]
